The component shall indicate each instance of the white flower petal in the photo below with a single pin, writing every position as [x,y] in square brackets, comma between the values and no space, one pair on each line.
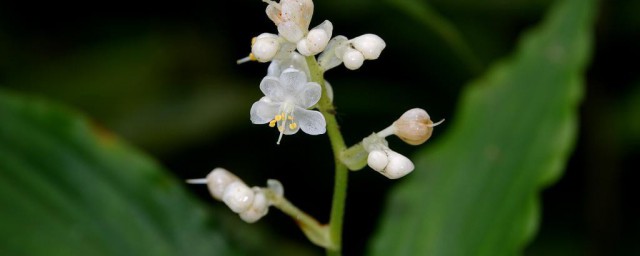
[293,81]
[273,12]
[263,111]
[327,86]
[309,96]
[287,60]
[310,121]
[290,31]
[298,11]
[274,68]
[272,88]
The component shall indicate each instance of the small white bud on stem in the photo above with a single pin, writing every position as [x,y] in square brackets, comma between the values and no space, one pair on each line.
[369,45]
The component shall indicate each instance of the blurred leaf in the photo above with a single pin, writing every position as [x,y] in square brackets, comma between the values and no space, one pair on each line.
[476,192]
[629,111]
[180,81]
[69,188]
[427,16]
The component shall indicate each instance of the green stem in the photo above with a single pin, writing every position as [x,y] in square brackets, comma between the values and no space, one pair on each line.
[337,144]
[315,231]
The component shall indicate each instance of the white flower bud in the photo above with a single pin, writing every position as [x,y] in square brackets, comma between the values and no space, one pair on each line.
[414,126]
[258,209]
[389,163]
[331,57]
[318,40]
[398,165]
[303,48]
[377,160]
[276,187]
[238,196]
[369,45]
[265,47]
[290,31]
[218,180]
[352,58]
[291,16]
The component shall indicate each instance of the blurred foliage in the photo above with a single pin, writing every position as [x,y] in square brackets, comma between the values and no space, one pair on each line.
[69,188]
[164,78]
[476,191]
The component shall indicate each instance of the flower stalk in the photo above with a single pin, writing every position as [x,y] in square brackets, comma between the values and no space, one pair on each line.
[338,145]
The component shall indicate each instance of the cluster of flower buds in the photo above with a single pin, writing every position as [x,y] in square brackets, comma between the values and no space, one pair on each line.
[289,91]
[414,127]
[250,203]
[351,52]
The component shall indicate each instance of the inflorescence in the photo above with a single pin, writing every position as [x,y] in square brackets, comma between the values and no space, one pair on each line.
[291,96]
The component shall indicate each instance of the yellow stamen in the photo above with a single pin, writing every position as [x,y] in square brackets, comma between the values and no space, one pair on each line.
[290,117]
[272,123]
[293,126]
[278,117]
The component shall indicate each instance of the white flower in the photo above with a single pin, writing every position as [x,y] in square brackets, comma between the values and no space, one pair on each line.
[286,104]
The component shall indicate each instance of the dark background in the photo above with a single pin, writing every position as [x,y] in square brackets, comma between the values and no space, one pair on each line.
[164,78]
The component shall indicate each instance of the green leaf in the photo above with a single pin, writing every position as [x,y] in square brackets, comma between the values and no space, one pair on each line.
[476,191]
[69,188]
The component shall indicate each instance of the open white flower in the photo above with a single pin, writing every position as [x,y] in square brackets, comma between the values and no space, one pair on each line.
[286,104]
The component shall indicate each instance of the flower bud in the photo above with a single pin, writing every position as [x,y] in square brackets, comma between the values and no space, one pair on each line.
[290,31]
[369,45]
[265,47]
[414,126]
[389,163]
[398,165]
[331,57]
[352,58]
[238,196]
[303,47]
[316,41]
[292,17]
[258,209]
[276,187]
[377,160]
[218,180]
[318,37]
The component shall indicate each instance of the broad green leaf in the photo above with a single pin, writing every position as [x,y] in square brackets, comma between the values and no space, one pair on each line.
[476,191]
[69,188]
